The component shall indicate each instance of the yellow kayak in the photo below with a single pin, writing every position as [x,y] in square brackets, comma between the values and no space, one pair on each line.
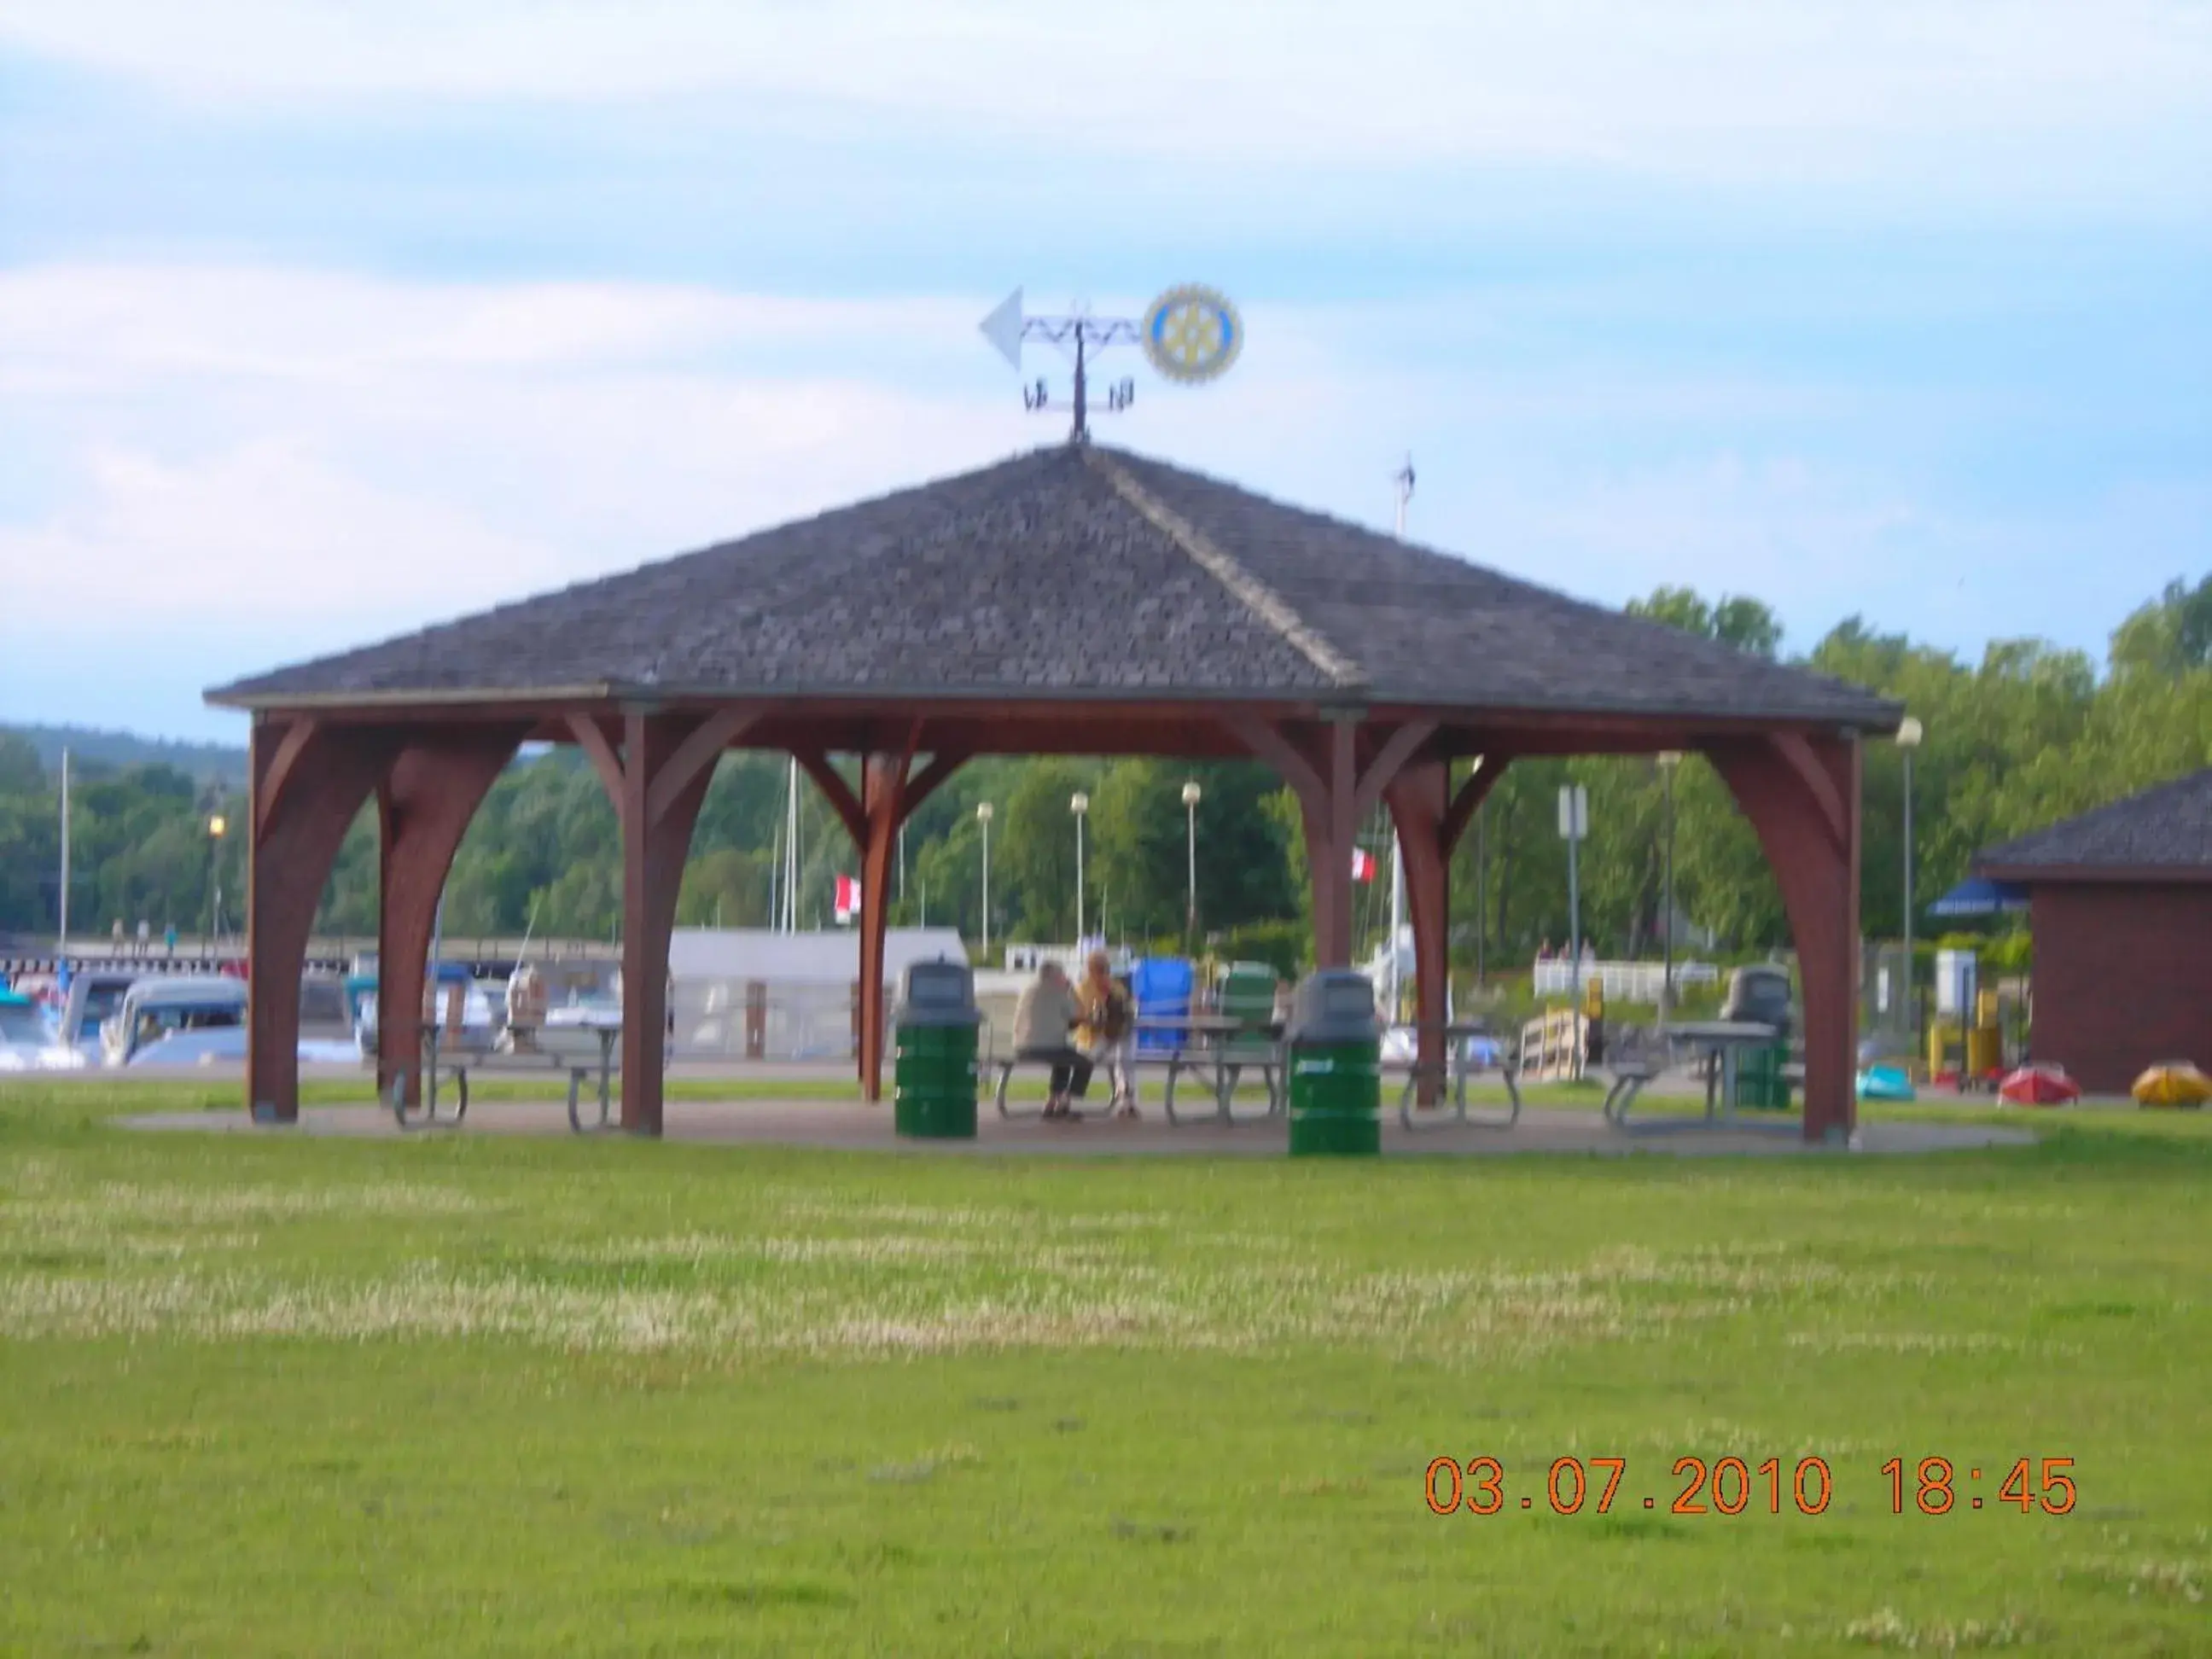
[2172,1082]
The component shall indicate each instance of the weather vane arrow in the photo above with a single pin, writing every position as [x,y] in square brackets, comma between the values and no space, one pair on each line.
[1190,334]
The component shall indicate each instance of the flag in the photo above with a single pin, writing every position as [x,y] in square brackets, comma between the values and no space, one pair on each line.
[848,901]
[1363,864]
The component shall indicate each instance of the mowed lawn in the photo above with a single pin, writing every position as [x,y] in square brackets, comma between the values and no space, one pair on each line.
[464,1395]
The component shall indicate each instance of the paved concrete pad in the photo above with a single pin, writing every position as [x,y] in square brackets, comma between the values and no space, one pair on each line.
[855,1127]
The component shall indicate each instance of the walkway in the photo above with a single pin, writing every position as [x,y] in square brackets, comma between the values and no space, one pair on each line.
[853,1126]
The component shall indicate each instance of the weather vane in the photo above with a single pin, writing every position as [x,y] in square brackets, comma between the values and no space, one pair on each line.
[1190,334]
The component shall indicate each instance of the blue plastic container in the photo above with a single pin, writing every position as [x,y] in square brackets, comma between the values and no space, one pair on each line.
[1161,987]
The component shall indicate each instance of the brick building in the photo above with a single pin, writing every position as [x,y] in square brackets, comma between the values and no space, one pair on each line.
[2120,902]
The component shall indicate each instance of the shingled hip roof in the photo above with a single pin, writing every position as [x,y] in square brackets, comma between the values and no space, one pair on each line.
[1072,573]
[2166,830]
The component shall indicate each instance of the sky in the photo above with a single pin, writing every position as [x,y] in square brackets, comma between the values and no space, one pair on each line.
[322,321]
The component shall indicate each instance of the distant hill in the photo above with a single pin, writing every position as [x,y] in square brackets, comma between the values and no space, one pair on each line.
[202,761]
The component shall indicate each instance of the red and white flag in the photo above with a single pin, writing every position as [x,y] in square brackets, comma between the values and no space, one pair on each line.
[1363,864]
[848,901]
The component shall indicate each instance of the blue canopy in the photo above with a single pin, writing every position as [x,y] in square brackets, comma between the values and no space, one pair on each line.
[1977,896]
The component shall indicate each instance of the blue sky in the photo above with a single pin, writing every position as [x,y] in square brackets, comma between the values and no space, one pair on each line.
[318,322]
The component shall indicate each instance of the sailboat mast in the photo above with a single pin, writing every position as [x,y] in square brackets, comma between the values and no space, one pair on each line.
[63,949]
[1404,481]
[791,851]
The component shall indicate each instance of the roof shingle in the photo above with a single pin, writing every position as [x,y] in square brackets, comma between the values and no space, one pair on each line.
[2167,829]
[1075,571]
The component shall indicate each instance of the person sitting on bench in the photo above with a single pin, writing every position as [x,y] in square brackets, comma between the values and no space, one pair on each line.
[1108,1014]
[1047,1013]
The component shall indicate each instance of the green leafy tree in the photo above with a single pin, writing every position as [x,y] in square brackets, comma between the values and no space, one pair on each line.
[1033,849]
[2172,635]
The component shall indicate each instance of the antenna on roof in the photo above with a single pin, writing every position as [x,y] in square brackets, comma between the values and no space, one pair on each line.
[1190,334]
[1403,477]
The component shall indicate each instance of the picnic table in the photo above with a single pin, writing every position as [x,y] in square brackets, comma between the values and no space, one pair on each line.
[1719,1044]
[1219,1047]
[580,1050]
[1454,1069]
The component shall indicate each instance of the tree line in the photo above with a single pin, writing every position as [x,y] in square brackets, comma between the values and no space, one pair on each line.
[2027,734]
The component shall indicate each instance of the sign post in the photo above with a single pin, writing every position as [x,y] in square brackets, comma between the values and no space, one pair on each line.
[1574,824]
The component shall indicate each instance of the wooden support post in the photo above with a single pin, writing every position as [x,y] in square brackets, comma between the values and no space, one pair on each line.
[1430,819]
[1332,861]
[1327,789]
[657,781]
[882,793]
[1802,795]
[423,809]
[307,781]
[890,789]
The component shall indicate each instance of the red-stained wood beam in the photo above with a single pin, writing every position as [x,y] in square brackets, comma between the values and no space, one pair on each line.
[1820,784]
[924,783]
[267,797]
[1330,865]
[1272,745]
[836,791]
[1469,799]
[1818,871]
[593,741]
[1384,764]
[701,748]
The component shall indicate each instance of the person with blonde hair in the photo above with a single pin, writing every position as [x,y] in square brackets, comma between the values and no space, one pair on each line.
[1109,1019]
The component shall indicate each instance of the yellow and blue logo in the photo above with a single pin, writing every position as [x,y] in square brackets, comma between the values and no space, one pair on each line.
[1191,333]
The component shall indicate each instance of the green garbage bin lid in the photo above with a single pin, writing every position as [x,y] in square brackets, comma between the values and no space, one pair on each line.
[939,992]
[1333,1005]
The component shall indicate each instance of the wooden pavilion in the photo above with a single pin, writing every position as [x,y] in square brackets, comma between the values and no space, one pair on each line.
[1074,600]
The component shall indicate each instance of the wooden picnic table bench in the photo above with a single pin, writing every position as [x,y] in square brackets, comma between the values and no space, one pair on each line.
[1209,1045]
[1453,1072]
[1626,1077]
[1221,1047]
[1718,1046]
[580,1051]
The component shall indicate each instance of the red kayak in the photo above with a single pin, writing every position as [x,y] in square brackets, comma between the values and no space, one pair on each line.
[2039,1085]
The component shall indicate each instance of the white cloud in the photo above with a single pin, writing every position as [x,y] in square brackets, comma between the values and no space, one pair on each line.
[1738,86]
[230,446]
[266,531]
[59,323]
[239,466]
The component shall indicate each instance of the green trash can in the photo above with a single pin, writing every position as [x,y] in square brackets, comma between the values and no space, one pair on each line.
[933,1071]
[1336,1068]
[1761,1085]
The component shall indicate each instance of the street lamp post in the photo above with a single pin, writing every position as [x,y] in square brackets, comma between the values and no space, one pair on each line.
[983,818]
[1080,803]
[1190,799]
[1669,760]
[217,825]
[1909,734]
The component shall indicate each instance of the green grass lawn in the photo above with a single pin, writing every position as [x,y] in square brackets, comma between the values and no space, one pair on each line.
[462,1395]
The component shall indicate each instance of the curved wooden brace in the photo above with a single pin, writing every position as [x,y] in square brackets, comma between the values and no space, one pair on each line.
[1386,762]
[836,791]
[1797,751]
[699,749]
[592,739]
[1269,742]
[298,734]
[924,783]
[1465,804]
